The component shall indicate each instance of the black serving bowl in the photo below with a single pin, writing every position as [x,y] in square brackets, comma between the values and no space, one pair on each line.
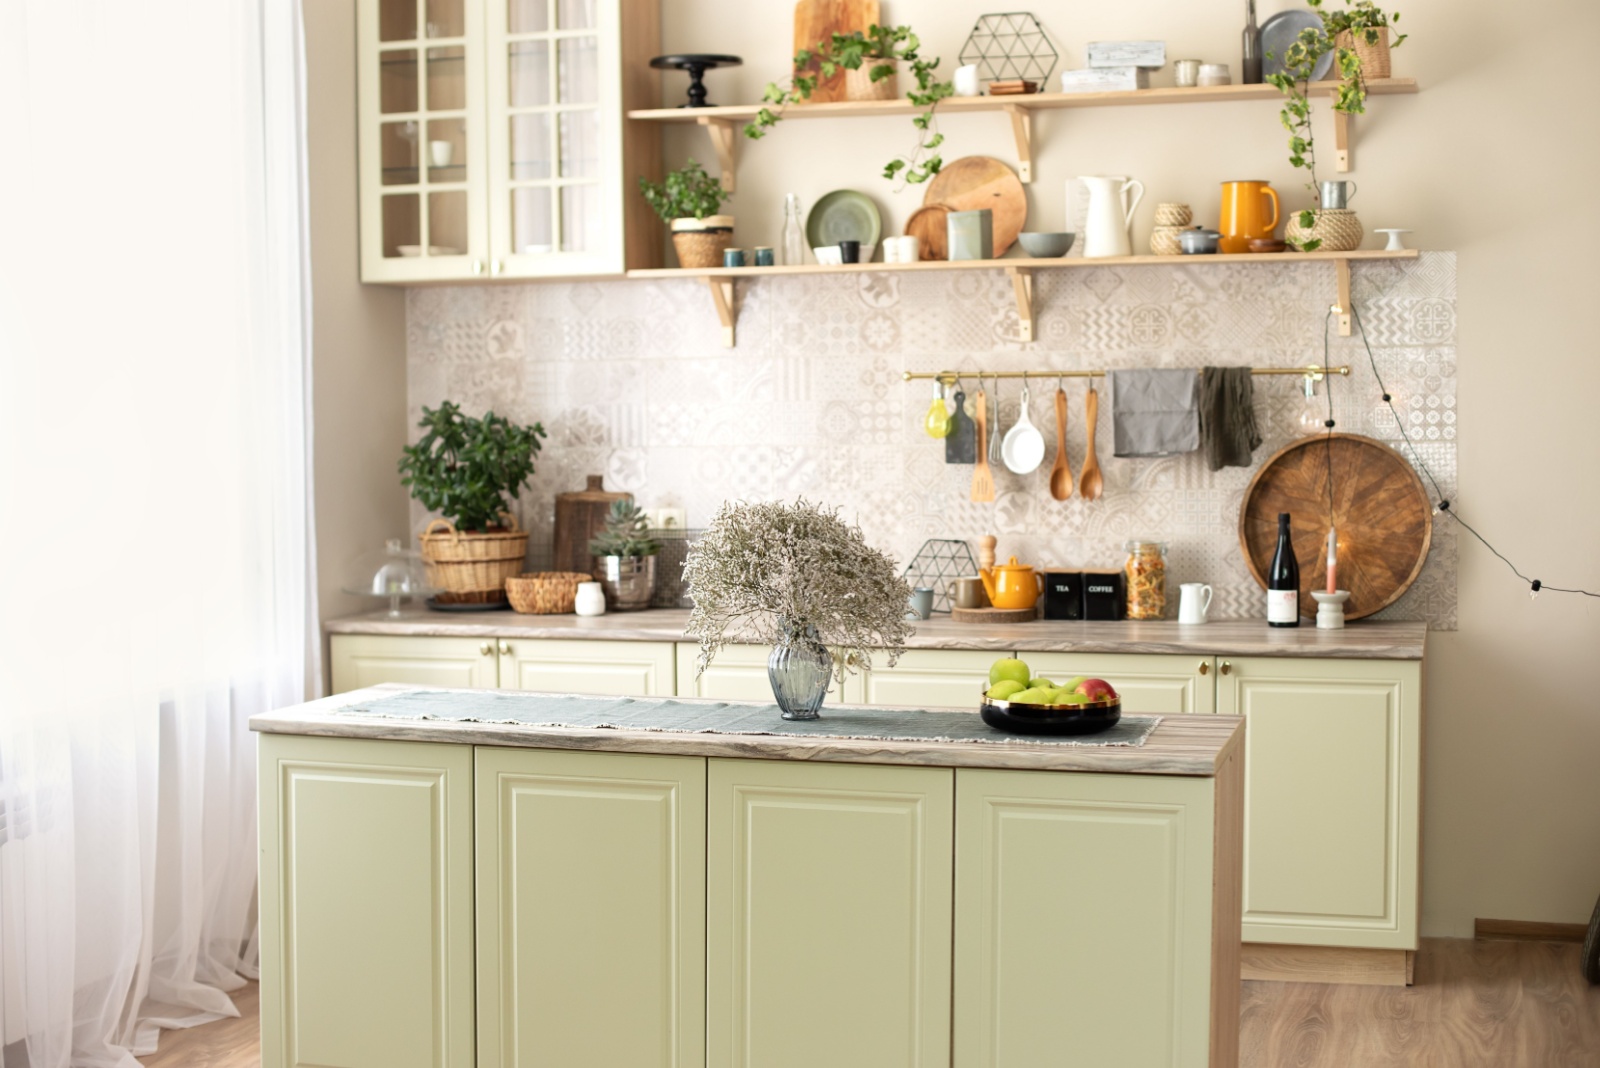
[1050,719]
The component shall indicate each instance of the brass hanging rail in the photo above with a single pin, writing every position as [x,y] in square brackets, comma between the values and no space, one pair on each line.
[948,377]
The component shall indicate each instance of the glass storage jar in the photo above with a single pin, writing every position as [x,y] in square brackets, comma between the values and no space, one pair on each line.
[1146,574]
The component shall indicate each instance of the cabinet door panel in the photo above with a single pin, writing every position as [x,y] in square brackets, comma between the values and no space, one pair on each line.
[1148,682]
[366,904]
[591,909]
[930,678]
[739,673]
[613,669]
[1083,919]
[828,897]
[1331,794]
[359,660]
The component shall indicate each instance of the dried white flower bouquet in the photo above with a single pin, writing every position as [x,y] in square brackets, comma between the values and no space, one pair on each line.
[766,572]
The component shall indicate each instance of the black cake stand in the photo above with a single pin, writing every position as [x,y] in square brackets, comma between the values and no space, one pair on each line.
[695,66]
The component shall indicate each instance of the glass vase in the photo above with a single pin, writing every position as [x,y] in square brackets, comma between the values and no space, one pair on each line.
[799,669]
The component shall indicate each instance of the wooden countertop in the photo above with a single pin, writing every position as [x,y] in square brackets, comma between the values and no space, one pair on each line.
[1365,640]
[1180,745]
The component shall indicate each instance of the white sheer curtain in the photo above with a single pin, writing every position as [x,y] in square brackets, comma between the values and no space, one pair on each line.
[155,526]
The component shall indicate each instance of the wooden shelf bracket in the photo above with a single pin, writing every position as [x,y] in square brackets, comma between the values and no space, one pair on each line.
[1022,130]
[1342,309]
[1022,286]
[722,295]
[725,139]
[1341,141]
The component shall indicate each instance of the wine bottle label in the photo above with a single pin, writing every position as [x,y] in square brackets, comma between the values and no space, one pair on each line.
[1283,606]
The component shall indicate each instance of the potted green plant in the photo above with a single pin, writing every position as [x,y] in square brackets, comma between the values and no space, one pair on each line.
[627,554]
[467,469]
[871,62]
[1358,35]
[687,200]
[799,578]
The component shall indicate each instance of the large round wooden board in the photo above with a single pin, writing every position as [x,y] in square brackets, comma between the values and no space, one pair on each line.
[1383,516]
[976,182]
[994,615]
[929,224]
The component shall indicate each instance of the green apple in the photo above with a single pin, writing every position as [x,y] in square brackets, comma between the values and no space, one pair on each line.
[1009,668]
[1073,683]
[1041,683]
[1071,699]
[1031,697]
[1002,690]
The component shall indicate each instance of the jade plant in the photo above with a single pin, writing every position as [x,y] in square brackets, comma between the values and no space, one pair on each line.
[466,469]
[881,47]
[1299,61]
[686,193]
[626,532]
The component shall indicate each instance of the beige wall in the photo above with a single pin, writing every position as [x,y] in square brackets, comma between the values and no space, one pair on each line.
[358,332]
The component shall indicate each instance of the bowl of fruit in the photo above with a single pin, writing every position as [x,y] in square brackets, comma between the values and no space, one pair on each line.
[1023,703]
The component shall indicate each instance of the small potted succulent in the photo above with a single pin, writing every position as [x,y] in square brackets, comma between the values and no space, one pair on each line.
[467,469]
[687,200]
[799,578]
[627,558]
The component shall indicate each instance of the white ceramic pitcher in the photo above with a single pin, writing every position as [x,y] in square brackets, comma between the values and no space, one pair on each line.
[1108,222]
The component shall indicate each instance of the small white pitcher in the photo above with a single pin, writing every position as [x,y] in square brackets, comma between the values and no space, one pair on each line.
[1194,601]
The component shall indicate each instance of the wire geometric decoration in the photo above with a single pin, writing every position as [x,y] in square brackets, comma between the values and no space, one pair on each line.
[1010,45]
[936,564]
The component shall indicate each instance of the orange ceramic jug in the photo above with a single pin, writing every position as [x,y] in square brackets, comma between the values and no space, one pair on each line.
[1012,585]
[1244,214]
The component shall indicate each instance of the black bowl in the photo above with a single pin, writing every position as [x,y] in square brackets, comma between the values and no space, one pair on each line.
[1050,719]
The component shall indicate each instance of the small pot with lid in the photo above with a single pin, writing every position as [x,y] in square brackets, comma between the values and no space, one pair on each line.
[1199,241]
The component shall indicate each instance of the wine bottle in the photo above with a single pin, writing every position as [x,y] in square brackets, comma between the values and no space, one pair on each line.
[1283,580]
[1250,62]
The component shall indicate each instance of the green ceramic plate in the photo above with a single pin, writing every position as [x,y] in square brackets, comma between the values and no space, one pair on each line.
[843,215]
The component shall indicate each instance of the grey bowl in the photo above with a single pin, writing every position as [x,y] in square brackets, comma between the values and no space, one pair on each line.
[1046,246]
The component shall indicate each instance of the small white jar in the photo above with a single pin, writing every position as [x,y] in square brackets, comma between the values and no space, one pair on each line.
[1214,74]
[590,600]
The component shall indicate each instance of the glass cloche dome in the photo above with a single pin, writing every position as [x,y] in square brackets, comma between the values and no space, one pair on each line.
[394,572]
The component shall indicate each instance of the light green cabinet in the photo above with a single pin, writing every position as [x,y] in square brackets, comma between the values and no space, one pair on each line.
[929,678]
[1332,774]
[739,673]
[612,669]
[360,660]
[828,897]
[591,909]
[366,904]
[1157,683]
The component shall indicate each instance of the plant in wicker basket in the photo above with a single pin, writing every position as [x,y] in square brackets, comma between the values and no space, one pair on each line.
[467,469]
[627,555]
[687,200]
[797,577]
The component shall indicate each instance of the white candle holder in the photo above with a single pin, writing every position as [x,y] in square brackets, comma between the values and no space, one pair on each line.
[1330,609]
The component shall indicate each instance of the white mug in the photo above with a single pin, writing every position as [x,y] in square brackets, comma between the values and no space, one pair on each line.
[1194,600]
[590,599]
[440,152]
[966,80]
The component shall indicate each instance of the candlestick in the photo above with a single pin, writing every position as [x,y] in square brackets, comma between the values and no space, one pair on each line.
[1333,563]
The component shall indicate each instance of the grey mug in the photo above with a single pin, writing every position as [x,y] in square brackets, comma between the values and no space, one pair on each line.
[920,604]
[1336,195]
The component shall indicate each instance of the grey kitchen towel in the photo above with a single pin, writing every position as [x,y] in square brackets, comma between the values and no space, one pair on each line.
[1228,429]
[722,717]
[1155,411]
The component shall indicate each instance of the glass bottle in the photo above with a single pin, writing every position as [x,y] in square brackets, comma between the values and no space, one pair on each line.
[1250,62]
[1146,579]
[794,239]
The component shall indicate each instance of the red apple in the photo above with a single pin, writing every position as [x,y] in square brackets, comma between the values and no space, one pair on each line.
[1097,690]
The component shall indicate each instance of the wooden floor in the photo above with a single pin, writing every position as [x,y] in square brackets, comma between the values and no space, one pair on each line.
[1474,1005]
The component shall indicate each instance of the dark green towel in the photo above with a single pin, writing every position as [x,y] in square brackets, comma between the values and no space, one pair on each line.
[1228,431]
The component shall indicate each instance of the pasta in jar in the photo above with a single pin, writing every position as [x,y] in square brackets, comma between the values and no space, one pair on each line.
[1146,575]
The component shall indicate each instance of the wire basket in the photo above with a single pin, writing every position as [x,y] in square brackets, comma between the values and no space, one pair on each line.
[671,592]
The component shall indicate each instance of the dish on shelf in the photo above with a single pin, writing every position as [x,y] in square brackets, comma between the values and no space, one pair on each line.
[1280,31]
[844,215]
[1046,246]
[433,250]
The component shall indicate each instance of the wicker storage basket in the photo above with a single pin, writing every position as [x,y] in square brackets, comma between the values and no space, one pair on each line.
[701,248]
[858,83]
[471,567]
[1338,229]
[1164,241]
[545,593]
[1374,57]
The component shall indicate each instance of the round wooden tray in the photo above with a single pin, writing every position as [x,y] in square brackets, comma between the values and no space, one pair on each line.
[975,182]
[1383,515]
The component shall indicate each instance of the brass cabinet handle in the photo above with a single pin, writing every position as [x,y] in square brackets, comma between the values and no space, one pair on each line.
[1226,667]
[485,648]
[1205,667]
[505,648]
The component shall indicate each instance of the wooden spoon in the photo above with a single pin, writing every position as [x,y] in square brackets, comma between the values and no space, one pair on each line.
[1061,472]
[982,479]
[1092,482]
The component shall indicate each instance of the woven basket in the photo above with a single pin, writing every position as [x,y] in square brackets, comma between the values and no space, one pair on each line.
[1374,57]
[858,83]
[471,567]
[545,593]
[701,248]
[1178,215]
[1164,241]
[1338,229]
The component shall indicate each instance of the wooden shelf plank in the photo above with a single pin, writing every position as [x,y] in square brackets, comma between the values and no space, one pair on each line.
[960,105]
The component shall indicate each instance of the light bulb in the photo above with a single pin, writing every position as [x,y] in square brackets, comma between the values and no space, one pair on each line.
[937,422]
[1312,414]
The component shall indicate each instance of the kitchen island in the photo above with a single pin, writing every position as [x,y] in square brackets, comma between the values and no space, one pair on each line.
[441,891]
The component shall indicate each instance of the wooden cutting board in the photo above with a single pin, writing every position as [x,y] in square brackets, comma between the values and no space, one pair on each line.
[930,225]
[976,182]
[994,615]
[816,20]
[1383,516]
[580,516]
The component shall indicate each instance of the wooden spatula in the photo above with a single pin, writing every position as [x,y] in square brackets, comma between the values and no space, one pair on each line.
[1061,472]
[982,479]
[1093,482]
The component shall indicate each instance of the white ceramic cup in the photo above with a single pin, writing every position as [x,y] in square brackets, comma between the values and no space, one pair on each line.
[1188,72]
[965,80]
[1194,600]
[440,152]
[590,599]
[909,248]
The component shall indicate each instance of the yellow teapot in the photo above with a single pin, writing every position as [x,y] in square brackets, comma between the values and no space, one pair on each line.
[1012,585]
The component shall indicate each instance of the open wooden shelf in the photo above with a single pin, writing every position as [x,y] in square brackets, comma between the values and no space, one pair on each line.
[721,280]
[725,123]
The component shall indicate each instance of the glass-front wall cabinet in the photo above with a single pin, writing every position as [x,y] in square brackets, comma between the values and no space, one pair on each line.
[493,141]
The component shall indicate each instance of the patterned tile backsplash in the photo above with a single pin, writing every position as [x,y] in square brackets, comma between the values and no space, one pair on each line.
[630,380]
